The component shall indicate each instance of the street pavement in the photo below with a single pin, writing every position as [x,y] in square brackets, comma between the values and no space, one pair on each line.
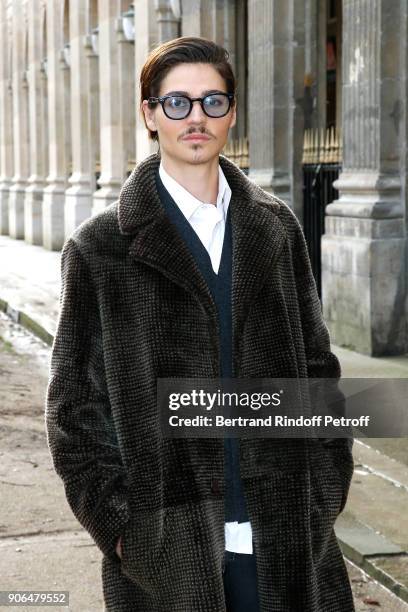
[42,544]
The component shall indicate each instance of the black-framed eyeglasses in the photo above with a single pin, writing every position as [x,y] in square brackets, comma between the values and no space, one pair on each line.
[179,107]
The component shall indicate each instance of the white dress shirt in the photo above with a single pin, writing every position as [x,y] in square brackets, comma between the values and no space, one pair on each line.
[208,222]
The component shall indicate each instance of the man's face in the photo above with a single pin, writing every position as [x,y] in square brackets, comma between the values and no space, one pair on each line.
[195,80]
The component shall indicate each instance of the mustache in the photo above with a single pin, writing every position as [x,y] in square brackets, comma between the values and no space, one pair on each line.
[196,131]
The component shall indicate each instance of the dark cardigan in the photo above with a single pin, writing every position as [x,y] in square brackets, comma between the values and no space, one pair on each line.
[220,287]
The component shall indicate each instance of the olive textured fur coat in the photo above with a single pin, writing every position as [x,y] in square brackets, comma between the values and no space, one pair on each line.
[134,306]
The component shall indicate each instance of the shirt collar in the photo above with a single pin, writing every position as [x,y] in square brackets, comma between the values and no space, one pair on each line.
[188,203]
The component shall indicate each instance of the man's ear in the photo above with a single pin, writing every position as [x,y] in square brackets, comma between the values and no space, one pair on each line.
[149,116]
[234,116]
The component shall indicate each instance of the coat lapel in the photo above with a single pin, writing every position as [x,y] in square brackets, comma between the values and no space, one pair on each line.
[257,236]
[157,242]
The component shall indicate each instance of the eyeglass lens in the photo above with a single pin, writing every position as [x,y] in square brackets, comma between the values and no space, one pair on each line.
[178,107]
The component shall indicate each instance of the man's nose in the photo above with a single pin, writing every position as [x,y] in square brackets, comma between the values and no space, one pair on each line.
[197,113]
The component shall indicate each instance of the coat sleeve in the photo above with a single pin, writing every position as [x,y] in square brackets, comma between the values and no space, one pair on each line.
[321,362]
[80,431]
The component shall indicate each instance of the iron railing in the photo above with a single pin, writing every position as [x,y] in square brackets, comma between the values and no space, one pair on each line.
[321,167]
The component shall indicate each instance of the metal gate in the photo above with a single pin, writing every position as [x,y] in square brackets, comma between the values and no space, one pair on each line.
[321,167]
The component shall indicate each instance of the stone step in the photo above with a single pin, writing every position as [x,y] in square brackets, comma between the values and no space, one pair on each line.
[373,528]
[374,553]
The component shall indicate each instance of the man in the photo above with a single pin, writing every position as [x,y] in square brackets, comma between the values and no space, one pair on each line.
[194,272]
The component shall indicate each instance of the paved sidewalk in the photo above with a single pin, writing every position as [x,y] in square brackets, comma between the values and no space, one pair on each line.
[30,285]
[372,530]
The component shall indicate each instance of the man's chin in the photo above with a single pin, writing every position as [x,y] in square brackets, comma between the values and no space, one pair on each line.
[193,155]
[199,155]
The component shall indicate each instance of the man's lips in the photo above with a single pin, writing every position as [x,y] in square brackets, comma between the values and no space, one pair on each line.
[196,137]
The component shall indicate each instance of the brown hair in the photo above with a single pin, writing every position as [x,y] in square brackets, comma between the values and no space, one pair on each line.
[183,50]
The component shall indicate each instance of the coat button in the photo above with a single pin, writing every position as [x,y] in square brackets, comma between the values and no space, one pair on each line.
[216,486]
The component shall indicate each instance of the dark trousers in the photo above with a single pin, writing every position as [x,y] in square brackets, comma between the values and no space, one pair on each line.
[240,582]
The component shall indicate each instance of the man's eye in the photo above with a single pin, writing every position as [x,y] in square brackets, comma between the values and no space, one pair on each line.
[178,102]
[213,101]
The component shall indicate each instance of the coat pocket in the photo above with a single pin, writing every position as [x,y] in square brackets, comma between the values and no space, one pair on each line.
[142,540]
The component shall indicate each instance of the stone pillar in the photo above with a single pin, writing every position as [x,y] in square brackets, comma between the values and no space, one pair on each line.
[111,143]
[6,133]
[59,137]
[78,197]
[20,123]
[235,41]
[204,18]
[212,19]
[126,76]
[192,19]
[146,38]
[315,63]
[94,101]
[296,101]
[275,84]
[33,229]
[403,136]
[364,248]
[168,23]
[226,24]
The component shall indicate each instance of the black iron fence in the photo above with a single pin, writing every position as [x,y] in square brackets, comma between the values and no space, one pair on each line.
[322,155]
[318,191]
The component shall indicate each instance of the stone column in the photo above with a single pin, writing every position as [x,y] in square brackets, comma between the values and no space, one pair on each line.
[225,23]
[275,83]
[168,23]
[235,41]
[94,101]
[59,137]
[6,133]
[204,18]
[296,100]
[364,248]
[111,160]
[403,136]
[20,123]
[146,38]
[127,122]
[212,19]
[78,197]
[33,229]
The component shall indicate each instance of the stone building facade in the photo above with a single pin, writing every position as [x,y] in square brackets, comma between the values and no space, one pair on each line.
[70,128]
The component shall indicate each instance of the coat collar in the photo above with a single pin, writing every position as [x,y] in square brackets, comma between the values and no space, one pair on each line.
[258,236]
[140,204]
